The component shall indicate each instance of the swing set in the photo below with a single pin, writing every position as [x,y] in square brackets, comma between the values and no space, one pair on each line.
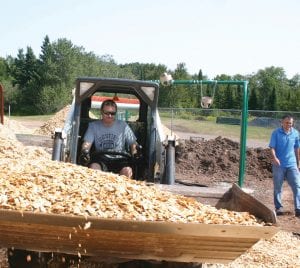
[207,101]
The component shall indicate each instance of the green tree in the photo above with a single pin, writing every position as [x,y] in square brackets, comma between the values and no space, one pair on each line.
[183,95]
[273,101]
[10,91]
[4,73]
[58,61]
[252,100]
[222,94]
[145,71]
[267,80]
[47,64]
[200,75]
[24,70]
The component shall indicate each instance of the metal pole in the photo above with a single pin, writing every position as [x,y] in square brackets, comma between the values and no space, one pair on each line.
[170,163]
[243,135]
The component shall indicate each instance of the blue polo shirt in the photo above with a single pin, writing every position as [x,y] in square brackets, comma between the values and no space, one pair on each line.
[284,145]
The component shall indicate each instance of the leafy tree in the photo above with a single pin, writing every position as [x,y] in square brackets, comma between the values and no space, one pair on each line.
[272,100]
[10,91]
[228,97]
[142,71]
[47,64]
[222,93]
[4,73]
[200,75]
[252,100]
[267,80]
[295,81]
[58,65]
[182,94]
[24,71]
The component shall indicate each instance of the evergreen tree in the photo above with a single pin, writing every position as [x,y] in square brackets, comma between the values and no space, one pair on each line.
[200,75]
[24,71]
[4,74]
[273,101]
[253,100]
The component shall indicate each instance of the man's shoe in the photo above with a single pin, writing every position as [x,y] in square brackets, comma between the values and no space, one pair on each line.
[279,211]
[297,214]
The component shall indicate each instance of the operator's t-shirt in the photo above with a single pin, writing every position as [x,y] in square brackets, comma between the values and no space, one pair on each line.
[285,145]
[118,137]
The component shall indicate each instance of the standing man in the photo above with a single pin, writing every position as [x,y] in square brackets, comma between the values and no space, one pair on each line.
[109,135]
[284,146]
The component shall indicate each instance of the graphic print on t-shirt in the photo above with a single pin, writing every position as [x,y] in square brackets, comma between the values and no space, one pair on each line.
[107,141]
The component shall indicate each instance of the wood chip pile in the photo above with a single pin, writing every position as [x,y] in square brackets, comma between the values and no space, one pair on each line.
[11,127]
[57,121]
[6,133]
[31,182]
[283,250]
[12,149]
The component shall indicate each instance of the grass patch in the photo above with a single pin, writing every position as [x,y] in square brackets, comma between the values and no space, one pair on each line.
[212,128]
[32,117]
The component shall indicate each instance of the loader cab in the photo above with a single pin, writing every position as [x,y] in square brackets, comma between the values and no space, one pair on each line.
[137,105]
[129,109]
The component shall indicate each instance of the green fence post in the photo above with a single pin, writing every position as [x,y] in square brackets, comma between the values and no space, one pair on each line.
[243,135]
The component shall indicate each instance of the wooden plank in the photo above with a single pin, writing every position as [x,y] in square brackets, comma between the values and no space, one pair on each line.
[128,239]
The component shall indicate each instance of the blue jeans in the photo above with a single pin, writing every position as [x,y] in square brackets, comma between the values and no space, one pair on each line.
[292,175]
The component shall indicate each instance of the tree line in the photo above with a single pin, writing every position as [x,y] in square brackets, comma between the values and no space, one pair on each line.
[42,84]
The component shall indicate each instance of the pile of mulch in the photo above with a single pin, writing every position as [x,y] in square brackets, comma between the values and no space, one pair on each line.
[56,121]
[211,161]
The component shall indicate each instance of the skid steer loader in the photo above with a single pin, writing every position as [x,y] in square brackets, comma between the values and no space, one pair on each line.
[137,105]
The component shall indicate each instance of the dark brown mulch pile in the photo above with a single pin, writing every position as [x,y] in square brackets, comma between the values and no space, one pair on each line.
[217,160]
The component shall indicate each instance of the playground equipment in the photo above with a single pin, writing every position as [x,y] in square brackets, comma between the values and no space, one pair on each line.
[206,102]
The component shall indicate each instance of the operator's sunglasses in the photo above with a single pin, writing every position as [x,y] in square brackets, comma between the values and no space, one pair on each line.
[109,113]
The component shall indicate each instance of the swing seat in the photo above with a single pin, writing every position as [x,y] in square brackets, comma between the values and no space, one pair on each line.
[206,102]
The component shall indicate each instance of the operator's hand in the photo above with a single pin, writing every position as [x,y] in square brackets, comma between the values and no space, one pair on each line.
[136,157]
[137,154]
[85,156]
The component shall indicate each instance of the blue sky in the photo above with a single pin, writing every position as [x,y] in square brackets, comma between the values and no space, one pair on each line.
[217,36]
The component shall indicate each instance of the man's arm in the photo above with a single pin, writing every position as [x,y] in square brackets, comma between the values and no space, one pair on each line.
[133,149]
[297,152]
[85,153]
[276,161]
[86,146]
